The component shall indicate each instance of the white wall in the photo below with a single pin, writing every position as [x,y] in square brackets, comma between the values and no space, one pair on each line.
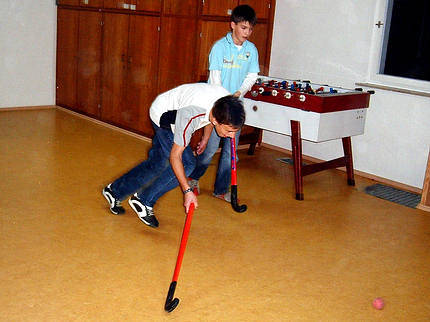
[27,52]
[329,42]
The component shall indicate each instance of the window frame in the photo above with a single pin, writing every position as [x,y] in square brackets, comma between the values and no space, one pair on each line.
[374,76]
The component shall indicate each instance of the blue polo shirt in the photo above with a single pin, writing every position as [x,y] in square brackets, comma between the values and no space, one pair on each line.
[233,63]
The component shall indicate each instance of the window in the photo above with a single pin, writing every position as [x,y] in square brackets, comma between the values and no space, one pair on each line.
[400,56]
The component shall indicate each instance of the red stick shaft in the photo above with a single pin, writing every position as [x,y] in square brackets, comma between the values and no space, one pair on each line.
[233,162]
[184,240]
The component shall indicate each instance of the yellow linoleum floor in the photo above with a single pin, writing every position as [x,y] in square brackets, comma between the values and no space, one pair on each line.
[65,257]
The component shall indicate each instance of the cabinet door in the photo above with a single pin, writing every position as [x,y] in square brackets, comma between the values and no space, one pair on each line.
[177,52]
[184,7]
[211,31]
[218,7]
[68,2]
[259,38]
[142,71]
[91,3]
[89,53]
[261,7]
[148,5]
[67,47]
[116,4]
[114,70]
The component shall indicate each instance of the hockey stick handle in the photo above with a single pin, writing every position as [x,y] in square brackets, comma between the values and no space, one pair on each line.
[234,202]
[172,303]
[184,240]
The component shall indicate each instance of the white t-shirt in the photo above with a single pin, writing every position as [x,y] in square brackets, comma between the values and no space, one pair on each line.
[197,94]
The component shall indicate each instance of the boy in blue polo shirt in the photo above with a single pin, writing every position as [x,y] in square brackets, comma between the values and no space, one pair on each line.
[233,63]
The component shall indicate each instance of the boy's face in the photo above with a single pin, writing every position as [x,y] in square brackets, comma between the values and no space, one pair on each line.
[225,131]
[241,31]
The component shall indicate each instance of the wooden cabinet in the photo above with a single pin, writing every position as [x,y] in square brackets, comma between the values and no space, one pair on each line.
[82,3]
[183,7]
[148,5]
[89,62]
[116,4]
[113,60]
[145,5]
[130,52]
[211,31]
[78,60]
[91,3]
[260,39]
[177,52]
[142,73]
[218,7]
[67,48]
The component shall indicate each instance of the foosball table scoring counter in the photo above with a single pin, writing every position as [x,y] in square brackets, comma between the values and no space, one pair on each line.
[312,112]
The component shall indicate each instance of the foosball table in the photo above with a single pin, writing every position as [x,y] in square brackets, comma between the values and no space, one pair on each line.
[308,111]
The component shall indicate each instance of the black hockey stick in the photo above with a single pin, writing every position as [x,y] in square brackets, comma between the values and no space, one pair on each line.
[172,303]
[234,204]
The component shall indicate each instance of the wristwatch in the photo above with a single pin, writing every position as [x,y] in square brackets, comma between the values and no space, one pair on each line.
[188,190]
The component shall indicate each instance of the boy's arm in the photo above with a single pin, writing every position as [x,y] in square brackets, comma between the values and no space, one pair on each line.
[246,84]
[201,146]
[178,169]
[214,77]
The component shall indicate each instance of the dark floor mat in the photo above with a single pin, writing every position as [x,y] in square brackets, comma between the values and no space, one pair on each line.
[404,198]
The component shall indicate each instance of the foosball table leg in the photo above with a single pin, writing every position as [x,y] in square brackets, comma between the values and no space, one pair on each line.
[296,143]
[347,149]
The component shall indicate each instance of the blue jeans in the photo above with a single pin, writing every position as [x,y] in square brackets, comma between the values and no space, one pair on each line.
[153,177]
[223,175]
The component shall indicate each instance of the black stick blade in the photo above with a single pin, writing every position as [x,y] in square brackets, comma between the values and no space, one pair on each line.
[171,303]
[236,207]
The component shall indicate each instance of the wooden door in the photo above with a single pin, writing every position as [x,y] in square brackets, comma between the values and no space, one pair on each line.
[89,59]
[218,7]
[259,38]
[211,31]
[67,47]
[177,52]
[261,7]
[184,7]
[148,5]
[114,70]
[142,65]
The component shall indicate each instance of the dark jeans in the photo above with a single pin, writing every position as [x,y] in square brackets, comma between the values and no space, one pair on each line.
[153,177]
[223,175]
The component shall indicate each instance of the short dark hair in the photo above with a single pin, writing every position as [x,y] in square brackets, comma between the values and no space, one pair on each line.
[244,13]
[229,110]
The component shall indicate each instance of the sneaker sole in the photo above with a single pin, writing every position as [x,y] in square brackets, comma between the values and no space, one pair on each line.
[107,197]
[221,197]
[141,218]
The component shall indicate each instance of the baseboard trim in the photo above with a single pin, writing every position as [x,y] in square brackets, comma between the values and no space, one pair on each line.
[110,126]
[388,182]
[26,108]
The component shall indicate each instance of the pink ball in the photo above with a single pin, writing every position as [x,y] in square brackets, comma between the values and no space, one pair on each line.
[378,303]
